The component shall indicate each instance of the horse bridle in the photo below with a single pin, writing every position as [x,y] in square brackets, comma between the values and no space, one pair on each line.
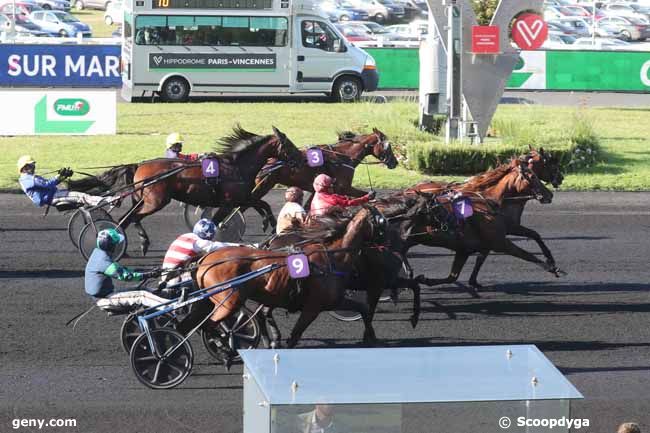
[385,143]
[533,180]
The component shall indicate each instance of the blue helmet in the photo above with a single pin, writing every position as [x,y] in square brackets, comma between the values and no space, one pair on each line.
[205,229]
[108,239]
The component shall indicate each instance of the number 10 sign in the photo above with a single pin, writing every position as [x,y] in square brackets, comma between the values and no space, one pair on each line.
[298,265]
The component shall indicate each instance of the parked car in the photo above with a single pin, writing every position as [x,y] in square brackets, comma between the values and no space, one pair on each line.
[412,9]
[601,44]
[62,23]
[23,26]
[588,8]
[377,31]
[410,32]
[344,10]
[581,26]
[102,5]
[22,8]
[623,10]
[640,9]
[355,34]
[376,11]
[626,28]
[558,41]
[554,12]
[558,26]
[395,10]
[57,5]
[114,13]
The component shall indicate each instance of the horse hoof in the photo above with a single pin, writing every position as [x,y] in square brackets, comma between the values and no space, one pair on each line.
[144,247]
[558,272]
[414,321]
[476,286]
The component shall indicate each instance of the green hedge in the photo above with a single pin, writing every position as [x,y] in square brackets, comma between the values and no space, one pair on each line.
[575,143]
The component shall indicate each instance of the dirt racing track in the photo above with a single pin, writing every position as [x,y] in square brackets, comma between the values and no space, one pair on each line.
[594,323]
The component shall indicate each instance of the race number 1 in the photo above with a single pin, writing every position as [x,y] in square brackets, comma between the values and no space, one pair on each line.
[210,167]
[463,208]
[315,157]
[298,265]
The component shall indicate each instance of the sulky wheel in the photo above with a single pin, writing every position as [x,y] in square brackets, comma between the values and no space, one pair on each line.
[88,238]
[77,222]
[169,366]
[130,330]
[192,214]
[348,315]
[232,228]
[230,332]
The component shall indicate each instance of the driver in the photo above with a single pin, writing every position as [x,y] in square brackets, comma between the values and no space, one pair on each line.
[324,197]
[175,146]
[45,191]
[101,270]
[190,246]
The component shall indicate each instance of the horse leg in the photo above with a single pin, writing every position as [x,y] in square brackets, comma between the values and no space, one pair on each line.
[144,237]
[269,329]
[369,337]
[151,202]
[480,259]
[508,247]
[307,316]
[520,230]
[264,209]
[459,262]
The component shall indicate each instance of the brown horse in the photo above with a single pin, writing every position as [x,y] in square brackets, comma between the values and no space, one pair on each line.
[244,155]
[340,162]
[333,262]
[487,229]
[545,166]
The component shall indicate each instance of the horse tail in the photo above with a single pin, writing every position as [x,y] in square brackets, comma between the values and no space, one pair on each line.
[117,177]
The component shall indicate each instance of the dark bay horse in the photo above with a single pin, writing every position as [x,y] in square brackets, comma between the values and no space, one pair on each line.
[543,164]
[333,262]
[487,229]
[244,154]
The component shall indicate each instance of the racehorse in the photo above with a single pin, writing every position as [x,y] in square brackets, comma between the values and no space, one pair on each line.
[545,166]
[244,154]
[486,230]
[339,162]
[333,259]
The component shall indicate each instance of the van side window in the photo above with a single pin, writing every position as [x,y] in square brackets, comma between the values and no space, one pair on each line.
[316,34]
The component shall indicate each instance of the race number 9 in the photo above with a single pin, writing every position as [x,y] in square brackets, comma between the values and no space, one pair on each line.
[315,157]
[210,167]
[298,265]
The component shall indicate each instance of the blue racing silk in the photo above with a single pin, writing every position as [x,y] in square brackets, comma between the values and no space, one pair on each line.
[40,190]
[100,271]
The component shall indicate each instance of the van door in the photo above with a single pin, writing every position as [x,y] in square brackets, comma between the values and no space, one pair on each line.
[320,55]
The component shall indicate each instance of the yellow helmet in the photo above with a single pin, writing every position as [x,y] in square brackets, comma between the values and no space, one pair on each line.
[173,139]
[23,161]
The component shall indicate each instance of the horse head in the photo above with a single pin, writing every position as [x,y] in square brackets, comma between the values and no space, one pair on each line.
[285,150]
[545,165]
[527,181]
[379,146]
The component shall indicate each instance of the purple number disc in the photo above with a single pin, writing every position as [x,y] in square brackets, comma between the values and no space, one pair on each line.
[463,208]
[210,167]
[315,157]
[298,265]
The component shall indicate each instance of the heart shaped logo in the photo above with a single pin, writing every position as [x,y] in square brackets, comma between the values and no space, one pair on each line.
[157,60]
[529,31]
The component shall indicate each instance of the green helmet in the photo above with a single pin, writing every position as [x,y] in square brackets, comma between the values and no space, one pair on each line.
[108,239]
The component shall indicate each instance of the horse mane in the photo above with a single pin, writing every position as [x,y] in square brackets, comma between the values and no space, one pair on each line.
[490,177]
[396,204]
[239,142]
[346,135]
[327,227]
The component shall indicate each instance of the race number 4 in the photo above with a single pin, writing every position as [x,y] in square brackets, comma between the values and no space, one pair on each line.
[210,167]
[298,265]
[315,157]
[463,208]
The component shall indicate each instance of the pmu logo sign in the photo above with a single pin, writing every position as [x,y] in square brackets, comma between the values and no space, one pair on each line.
[60,66]
[71,107]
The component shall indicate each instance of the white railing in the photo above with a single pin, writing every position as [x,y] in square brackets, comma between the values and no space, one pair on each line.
[387,44]
[6,38]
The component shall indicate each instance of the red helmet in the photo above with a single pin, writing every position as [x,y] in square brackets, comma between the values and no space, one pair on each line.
[322,183]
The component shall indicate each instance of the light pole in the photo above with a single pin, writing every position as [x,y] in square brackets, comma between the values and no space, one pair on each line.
[593,23]
[451,130]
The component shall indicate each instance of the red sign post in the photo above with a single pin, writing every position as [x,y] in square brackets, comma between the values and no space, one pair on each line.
[529,31]
[485,39]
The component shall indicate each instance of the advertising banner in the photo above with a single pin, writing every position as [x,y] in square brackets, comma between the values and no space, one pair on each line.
[66,112]
[530,71]
[239,62]
[47,65]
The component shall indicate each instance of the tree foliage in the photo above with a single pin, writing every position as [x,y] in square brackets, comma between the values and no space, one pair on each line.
[484,10]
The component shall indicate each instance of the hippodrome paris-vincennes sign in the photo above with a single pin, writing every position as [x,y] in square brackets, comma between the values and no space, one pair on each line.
[484,77]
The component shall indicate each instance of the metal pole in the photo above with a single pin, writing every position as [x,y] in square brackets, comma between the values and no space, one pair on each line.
[12,29]
[450,70]
[593,24]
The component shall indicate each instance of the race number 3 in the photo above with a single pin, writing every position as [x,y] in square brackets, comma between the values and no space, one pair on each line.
[315,157]
[210,167]
[463,208]
[298,265]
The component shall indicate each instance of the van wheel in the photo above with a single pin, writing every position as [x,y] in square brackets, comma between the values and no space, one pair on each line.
[63,33]
[47,7]
[347,89]
[175,89]
[380,18]
[79,5]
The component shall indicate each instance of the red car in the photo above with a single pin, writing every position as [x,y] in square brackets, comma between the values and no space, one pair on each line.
[585,10]
[354,34]
[22,8]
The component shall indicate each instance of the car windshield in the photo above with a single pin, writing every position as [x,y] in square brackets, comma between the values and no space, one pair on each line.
[567,39]
[376,28]
[66,18]
[352,31]
[346,5]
